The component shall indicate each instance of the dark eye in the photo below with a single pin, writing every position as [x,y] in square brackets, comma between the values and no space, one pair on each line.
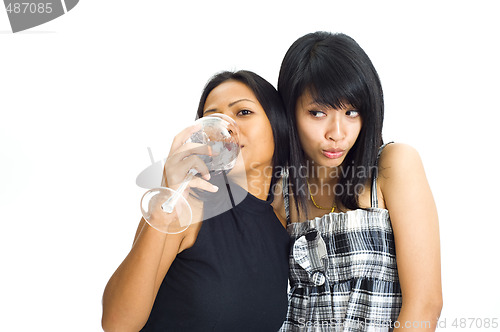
[244,112]
[352,113]
[317,114]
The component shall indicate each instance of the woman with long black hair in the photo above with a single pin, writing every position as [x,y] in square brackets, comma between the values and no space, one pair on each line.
[228,272]
[365,240]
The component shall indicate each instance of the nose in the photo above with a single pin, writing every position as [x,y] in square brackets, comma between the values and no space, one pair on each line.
[334,131]
[231,119]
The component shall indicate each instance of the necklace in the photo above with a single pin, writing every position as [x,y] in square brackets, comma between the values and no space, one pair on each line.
[314,202]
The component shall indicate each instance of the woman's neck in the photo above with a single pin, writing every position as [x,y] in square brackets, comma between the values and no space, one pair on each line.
[256,181]
[321,183]
[259,181]
[323,175]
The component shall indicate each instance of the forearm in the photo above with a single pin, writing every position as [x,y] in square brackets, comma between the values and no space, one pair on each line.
[130,293]
[422,317]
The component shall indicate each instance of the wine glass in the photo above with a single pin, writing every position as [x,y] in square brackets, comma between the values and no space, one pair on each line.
[167,210]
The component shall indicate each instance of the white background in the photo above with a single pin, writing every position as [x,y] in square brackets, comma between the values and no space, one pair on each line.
[84,96]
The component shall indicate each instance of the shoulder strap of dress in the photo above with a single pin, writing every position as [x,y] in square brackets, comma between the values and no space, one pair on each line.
[286,198]
[374,198]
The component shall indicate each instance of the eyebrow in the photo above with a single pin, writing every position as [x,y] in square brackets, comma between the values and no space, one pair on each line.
[229,105]
[240,100]
[209,111]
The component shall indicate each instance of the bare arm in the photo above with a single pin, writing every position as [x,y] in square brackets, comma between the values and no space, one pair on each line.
[130,293]
[413,213]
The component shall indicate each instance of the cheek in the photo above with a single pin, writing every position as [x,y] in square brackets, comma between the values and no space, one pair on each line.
[263,129]
[260,135]
[268,138]
[303,139]
[307,134]
[301,129]
[356,129]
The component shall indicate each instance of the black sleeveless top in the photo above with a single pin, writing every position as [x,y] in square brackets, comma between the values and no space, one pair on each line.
[235,276]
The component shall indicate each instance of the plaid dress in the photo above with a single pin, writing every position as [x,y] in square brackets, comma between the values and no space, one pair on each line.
[343,273]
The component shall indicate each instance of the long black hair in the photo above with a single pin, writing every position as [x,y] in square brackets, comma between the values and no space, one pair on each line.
[336,70]
[270,101]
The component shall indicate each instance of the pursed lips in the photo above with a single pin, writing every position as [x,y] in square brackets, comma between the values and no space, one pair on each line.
[333,153]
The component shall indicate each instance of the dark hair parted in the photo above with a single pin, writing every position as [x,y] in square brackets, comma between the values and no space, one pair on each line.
[336,70]
[270,101]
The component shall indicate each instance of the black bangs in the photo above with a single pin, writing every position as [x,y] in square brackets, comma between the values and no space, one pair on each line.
[335,81]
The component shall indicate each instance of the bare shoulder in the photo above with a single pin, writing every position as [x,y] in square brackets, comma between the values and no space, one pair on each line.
[396,153]
[398,158]
[400,166]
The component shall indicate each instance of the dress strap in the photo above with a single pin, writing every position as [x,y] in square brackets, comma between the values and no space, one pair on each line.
[230,195]
[286,198]
[374,198]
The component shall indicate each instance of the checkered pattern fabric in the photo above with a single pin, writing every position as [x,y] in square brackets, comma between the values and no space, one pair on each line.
[354,286]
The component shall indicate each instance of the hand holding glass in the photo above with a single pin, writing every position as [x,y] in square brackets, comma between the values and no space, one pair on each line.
[167,210]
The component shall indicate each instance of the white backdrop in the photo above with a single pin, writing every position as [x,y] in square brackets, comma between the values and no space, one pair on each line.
[84,96]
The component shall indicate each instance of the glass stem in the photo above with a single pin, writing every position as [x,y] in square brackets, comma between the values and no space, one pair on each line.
[169,205]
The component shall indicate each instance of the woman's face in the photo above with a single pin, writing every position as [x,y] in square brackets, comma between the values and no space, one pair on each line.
[238,101]
[326,134]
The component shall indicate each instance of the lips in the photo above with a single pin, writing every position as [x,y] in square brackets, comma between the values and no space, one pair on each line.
[333,153]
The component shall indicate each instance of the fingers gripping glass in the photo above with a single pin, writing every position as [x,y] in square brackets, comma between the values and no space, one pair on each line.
[167,210]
